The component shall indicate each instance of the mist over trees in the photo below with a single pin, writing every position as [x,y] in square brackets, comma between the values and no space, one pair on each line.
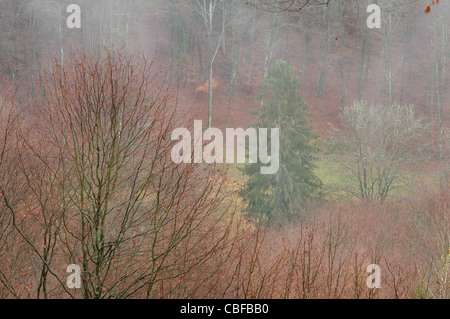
[87,179]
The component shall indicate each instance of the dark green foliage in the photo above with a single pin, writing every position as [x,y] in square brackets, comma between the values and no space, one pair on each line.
[279,197]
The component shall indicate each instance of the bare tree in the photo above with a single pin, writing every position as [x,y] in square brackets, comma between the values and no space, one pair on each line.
[131,206]
[394,13]
[9,250]
[379,142]
[95,185]
[439,43]
[207,9]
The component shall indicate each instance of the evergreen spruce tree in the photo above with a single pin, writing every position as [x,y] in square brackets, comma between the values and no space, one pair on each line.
[277,198]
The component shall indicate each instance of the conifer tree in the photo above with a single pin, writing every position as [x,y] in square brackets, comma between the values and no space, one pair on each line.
[278,198]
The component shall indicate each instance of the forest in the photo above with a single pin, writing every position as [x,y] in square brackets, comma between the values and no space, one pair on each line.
[135,138]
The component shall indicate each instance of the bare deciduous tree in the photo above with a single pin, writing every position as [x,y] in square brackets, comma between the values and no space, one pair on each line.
[380,142]
[207,9]
[97,187]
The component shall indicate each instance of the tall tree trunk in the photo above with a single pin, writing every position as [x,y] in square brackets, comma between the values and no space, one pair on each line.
[269,52]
